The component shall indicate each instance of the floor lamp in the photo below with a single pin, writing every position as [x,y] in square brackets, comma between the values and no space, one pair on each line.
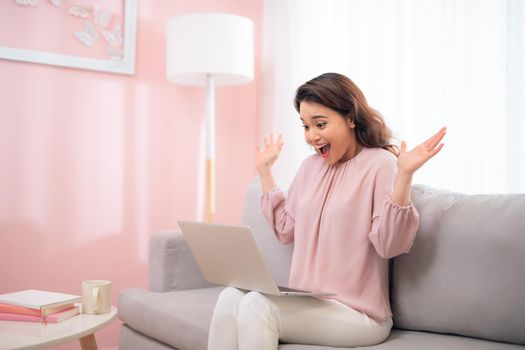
[209,49]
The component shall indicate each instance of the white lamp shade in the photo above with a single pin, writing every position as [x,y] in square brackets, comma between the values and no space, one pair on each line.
[210,43]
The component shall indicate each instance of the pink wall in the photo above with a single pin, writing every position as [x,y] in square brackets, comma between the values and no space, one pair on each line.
[92,164]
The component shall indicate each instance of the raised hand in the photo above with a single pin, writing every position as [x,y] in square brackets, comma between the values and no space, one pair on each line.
[269,154]
[409,162]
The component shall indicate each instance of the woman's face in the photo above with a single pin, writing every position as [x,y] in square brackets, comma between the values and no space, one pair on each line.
[332,135]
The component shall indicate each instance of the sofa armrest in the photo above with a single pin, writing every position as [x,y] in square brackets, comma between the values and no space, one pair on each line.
[172,265]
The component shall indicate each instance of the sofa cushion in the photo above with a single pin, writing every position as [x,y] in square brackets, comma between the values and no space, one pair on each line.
[278,256]
[410,340]
[180,319]
[465,273]
[399,340]
[129,339]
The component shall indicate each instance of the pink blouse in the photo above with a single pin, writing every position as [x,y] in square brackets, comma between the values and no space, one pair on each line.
[344,227]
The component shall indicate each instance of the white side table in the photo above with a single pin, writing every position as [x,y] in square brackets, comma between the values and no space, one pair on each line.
[33,335]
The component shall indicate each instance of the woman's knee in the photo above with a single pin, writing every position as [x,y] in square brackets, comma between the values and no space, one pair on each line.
[230,294]
[255,304]
[229,299]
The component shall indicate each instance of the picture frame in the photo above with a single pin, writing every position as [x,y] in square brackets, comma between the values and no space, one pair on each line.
[125,64]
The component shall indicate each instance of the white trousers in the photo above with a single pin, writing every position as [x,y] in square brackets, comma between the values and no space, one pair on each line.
[255,321]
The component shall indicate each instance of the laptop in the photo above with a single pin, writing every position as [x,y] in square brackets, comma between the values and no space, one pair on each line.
[228,255]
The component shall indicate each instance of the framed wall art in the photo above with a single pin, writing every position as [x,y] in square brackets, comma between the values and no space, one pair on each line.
[86,34]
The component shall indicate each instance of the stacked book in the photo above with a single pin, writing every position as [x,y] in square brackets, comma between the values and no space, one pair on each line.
[38,306]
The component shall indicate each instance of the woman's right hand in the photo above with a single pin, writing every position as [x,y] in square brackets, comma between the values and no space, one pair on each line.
[269,154]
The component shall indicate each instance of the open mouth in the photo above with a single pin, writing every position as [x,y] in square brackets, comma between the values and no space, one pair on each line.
[324,150]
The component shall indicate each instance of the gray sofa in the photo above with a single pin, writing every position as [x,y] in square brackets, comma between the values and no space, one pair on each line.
[462,286]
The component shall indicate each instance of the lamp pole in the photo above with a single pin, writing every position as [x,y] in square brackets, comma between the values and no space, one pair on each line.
[210,149]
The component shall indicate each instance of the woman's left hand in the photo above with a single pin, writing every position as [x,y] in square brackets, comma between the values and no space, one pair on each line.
[409,162]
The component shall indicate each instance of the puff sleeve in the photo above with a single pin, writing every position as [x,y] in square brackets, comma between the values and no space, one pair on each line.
[394,227]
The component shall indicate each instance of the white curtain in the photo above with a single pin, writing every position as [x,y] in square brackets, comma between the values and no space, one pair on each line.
[422,64]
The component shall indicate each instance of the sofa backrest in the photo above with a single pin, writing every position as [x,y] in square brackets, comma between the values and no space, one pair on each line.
[465,273]
[278,256]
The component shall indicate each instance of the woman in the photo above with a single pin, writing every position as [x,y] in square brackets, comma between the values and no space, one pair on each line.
[348,211]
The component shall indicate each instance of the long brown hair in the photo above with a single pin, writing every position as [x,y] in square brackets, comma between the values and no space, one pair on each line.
[340,94]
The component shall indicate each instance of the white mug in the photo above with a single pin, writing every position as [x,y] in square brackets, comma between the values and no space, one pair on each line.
[96,297]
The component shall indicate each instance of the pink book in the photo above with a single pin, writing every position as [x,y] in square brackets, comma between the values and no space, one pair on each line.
[15,309]
[52,318]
